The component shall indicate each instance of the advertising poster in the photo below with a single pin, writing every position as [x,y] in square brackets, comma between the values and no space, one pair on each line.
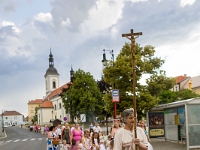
[156,124]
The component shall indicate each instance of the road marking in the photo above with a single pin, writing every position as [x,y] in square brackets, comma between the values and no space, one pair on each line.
[8,141]
[32,139]
[16,141]
[40,139]
[24,140]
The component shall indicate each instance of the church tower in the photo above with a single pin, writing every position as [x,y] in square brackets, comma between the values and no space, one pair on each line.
[51,76]
[71,75]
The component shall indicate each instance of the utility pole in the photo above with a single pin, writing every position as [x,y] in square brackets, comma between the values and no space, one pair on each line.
[2,122]
[132,36]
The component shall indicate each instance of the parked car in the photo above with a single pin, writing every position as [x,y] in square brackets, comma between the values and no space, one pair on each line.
[13,124]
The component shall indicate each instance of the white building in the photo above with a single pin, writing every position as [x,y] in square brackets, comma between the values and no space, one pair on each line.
[52,106]
[11,118]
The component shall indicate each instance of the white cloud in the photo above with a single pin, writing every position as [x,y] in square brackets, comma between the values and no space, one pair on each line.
[44,17]
[8,23]
[134,1]
[103,15]
[186,2]
[66,22]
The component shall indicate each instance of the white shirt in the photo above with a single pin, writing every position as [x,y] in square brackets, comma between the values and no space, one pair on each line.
[58,131]
[97,129]
[124,139]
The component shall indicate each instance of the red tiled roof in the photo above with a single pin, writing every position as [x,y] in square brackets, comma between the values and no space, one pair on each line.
[180,79]
[10,113]
[58,91]
[46,104]
[37,101]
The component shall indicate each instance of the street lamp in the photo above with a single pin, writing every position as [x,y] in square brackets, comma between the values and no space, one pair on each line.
[2,122]
[77,112]
[104,62]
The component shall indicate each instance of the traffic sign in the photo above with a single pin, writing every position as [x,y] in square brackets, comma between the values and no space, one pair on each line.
[115,95]
[82,117]
[65,118]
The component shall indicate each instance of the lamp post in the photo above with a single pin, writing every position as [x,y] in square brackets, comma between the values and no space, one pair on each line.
[2,122]
[77,112]
[104,62]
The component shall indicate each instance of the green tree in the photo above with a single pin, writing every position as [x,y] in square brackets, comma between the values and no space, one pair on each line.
[186,94]
[120,74]
[172,96]
[35,117]
[83,95]
[158,82]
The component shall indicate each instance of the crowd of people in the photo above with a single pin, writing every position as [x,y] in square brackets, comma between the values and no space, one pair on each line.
[119,138]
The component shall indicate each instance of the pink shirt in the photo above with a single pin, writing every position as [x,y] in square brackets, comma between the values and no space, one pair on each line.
[77,135]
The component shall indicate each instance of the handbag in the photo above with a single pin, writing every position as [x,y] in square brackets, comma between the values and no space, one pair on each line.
[55,142]
[73,142]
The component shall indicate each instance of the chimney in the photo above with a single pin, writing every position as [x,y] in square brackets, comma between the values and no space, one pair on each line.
[185,75]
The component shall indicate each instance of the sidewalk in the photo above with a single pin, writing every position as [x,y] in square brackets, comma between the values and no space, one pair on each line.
[2,134]
[167,145]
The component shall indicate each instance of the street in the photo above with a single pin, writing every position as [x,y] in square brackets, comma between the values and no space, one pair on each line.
[22,139]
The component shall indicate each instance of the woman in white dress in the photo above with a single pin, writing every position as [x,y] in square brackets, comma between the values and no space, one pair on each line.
[125,139]
[95,141]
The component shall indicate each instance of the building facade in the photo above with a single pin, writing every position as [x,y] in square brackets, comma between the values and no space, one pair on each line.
[32,105]
[186,82]
[10,118]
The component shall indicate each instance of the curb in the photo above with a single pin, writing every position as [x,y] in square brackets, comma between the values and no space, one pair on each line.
[4,136]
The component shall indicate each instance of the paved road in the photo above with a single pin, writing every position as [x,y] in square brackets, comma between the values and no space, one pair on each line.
[22,139]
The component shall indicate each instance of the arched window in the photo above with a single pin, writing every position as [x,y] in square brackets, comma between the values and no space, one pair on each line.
[55,107]
[60,105]
[54,84]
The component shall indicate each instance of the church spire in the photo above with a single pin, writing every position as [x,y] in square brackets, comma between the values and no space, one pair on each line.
[71,74]
[51,63]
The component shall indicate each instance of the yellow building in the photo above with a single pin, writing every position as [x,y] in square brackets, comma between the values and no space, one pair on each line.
[32,104]
[190,83]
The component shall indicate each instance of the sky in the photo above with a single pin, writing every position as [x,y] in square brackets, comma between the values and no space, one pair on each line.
[77,32]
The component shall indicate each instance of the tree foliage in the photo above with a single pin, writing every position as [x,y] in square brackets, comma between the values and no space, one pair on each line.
[35,117]
[83,95]
[119,73]
[172,96]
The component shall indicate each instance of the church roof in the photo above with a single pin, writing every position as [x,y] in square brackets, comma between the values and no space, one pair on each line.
[10,113]
[37,101]
[51,71]
[58,91]
[46,104]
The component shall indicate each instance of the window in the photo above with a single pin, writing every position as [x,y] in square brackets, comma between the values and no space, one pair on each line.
[6,117]
[55,107]
[55,117]
[60,105]
[54,84]
[60,116]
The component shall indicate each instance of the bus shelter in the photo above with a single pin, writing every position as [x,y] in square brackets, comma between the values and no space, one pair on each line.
[179,120]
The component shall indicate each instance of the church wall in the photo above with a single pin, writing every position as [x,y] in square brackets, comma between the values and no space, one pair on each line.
[45,115]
